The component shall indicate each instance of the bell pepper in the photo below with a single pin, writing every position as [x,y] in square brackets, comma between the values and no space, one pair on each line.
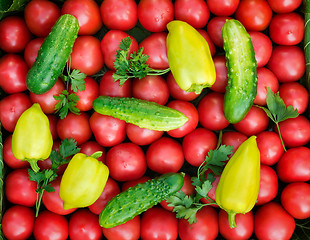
[237,190]
[189,57]
[83,181]
[32,138]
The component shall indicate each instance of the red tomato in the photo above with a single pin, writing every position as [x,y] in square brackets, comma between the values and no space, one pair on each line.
[208,39]
[214,29]
[210,109]
[190,111]
[295,198]
[14,34]
[271,222]
[244,229]
[197,144]
[155,47]
[142,136]
[155,14]
[165,155]
[18,222]
[53,123]
[87,13]
[126,161]
[223,7]
[31,50]
[108,131]
[133,183]
[281,6]
[129,230]
[255,15]
[13,72]
[195,12]
[206,227]
[221,74]
[287,63]
[294,165]
[110,43]
[91,147]
[233,138]
[19,189]
[84,225]
[159,223]
[151,88]
[75,126]
[50,226]
[40,16]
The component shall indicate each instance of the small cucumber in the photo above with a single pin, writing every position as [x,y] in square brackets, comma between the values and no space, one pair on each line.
[53,55]
[135,200]
[142,113]
[241,65]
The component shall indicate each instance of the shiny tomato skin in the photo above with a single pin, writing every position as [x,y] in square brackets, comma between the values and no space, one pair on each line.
[223,7]
[221,74]
[31,50]
[206,36]
[234,139]
[91,147]
[142,136]
[214,29]
[280,6]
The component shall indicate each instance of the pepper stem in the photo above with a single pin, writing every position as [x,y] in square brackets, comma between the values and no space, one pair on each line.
[34,165]
[231,219]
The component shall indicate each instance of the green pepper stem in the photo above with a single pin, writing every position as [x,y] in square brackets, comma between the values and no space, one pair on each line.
[34,165]
[231,219]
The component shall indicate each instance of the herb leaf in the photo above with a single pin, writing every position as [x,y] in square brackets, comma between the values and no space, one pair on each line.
[67,102]
[77,80]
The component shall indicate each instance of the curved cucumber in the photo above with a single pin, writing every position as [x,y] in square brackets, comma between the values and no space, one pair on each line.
[135,200]
[53,55]
[241,65]
[142,113]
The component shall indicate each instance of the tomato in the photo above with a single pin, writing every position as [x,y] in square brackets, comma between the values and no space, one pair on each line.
[255,15]
[294,165]
[84,225]
[133,183]
[119,14]
[287,63]
[210,109]
[87,13]
[221,74]
[155,47]
[151,88]
[209,40]
[271,221]
[50,226]
[8,156]
[75,126]
[159,223]
[31,50]
[129,230]
[108,131]
[110,190]
[265,78]
[53,123]
[142,136]
[18,222]
[190,111]
[13,72]
[223,7]
[126,161]
[155,14]
[14,34]
[280,6]
[197,144]
[295,198]
[11,107]
[110,43]
[165,155]
[214,29]
[234,139]
[253,123]
[40,16]
[19,189]
[244,229]
[206,227]
[194,12]
[91,147]
[296,95]
[211,193]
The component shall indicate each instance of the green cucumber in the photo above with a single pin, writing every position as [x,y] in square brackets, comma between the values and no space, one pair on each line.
[53,55]
[142,113]
[241,65]
[135,200]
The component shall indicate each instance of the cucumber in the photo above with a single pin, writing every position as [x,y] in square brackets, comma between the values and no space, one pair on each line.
[135,200]
[241,65]
[142,113]
[53,55]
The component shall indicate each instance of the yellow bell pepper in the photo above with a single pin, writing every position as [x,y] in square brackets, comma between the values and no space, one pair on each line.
[32,138]
[189,57]
[83,181]
[238,188]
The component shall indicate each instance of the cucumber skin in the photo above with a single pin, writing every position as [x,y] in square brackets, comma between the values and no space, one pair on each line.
[142,113]
[135,200]
[53,55]
[241,65]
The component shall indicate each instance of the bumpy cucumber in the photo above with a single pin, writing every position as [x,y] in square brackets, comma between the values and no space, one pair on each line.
[135,200]
[241,87]
[142,113]
[53,55]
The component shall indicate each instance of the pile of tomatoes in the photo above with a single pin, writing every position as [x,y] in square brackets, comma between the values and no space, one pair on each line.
[135,155]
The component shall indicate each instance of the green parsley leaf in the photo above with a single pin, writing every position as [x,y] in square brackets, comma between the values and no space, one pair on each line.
[67,102]
[77,80]
[204,189]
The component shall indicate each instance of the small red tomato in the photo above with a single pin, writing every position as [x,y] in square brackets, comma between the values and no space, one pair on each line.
[221,74]
[142,136]
[233,138]
[31,50]
[223,7]
[214,29]
[91,147]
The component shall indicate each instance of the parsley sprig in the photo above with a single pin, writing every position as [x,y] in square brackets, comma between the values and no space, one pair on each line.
[43,178]
[132,65]
[186,206]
